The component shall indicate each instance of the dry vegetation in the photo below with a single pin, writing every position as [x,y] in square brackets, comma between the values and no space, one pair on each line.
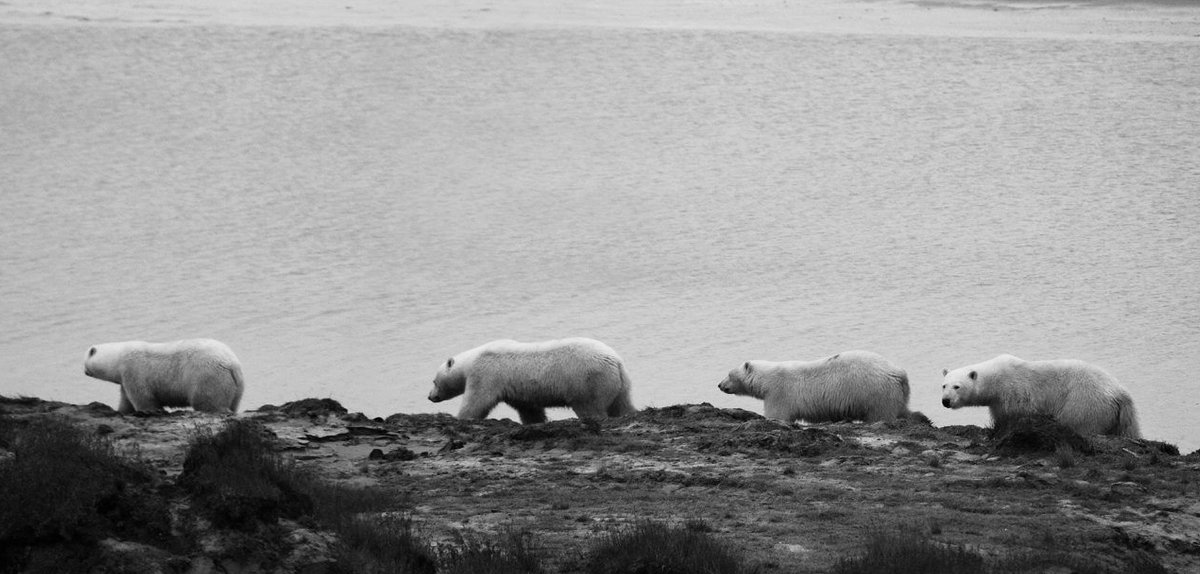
[691,488]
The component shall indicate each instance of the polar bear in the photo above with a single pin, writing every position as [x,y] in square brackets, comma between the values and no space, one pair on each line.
[854,385]
[200,373]
[580,373]
[1079,395]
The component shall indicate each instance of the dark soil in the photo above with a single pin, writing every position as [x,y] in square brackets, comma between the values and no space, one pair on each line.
[792,498]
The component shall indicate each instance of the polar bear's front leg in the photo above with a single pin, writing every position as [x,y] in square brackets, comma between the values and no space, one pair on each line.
[474,407]
[140,393]
[774,410]
[124,407]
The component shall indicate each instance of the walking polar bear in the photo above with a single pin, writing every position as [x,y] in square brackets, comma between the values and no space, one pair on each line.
[583,374]
[200,373]
[854,385]
[1081,396]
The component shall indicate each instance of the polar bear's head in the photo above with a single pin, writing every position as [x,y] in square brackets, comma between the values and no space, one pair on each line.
[958,386]
[450,380]
[104,362]
[978,384]
[735,383]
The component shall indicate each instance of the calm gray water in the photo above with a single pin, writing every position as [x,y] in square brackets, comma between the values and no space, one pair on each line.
[346,208]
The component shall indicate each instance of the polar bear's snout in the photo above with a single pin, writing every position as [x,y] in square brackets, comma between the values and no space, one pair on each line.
[950,399]
[434,397]
[724,386]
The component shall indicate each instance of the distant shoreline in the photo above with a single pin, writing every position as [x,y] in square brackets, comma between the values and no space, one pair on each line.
[1158,20]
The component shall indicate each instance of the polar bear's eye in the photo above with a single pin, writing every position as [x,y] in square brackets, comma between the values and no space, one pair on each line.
[972,374]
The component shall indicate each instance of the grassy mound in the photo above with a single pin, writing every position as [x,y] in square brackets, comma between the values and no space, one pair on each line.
[655,548]
[239,481]
[64,490]
[907,551]
[1036,433]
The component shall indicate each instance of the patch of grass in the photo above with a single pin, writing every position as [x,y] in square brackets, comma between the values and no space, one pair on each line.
[511,553]
[374,536]
[239,481]
[775,437]
[907,551]
[655,548]
[1036,433]
[1159,447]
[19,400]
[333,503]
[65,488]
[313,408]
[1059,561]
[554,431]
[385,544]
[697,412]
[1064,456]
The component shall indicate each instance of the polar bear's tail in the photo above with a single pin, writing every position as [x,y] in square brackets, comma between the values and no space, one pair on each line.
[622,405]
[1127,423]
[900,377]
[235,371]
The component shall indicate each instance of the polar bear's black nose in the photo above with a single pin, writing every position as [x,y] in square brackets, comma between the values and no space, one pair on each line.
[946,403]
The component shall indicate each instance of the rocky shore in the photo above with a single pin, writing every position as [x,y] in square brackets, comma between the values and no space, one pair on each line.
[790,497]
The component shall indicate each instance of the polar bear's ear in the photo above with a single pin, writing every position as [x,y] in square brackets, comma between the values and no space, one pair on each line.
[945,372]
[92,352]
[746,366]
[973,375]
[450,362]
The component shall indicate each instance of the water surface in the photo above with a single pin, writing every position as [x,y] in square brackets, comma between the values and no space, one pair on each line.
[348,207]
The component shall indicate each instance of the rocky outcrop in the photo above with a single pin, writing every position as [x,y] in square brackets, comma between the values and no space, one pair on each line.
[794,497]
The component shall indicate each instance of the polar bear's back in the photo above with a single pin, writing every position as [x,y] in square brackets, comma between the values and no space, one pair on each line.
[547,360]
[583,374]
[852,385]
[201,373]
[1075,375]
[1078,394]
[868,376]
[199,351]
[183,359]
[1085,397]
[859,369]
[862,365]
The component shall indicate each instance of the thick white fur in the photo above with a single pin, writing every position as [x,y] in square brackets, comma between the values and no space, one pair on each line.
[200,373]
[1078,395]
[854,385]
[583,374]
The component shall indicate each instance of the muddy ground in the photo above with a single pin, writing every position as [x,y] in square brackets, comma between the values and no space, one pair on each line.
[793,497]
